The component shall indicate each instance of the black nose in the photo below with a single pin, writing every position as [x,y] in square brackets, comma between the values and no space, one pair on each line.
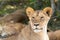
[36,24]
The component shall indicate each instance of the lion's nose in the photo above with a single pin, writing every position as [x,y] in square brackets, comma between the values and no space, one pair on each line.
[36,24]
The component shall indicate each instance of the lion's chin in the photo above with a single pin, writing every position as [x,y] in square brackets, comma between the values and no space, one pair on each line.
[37,30]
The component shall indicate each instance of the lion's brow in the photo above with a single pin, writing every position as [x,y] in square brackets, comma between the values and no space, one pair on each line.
[38,11]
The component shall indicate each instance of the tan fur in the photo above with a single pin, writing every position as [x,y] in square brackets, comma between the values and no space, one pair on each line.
[57,34]
[12,24]
[30,32]
[11,28]
[54,35]
[51,36]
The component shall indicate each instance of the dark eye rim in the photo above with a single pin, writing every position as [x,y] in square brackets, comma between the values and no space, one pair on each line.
[42,17]
[32,17]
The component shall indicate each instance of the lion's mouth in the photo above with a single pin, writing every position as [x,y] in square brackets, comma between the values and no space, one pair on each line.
[38,29]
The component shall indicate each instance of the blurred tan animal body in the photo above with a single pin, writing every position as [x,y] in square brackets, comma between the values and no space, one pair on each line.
[55,35]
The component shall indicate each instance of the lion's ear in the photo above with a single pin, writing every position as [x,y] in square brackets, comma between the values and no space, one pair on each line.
[48,11]
[29,11]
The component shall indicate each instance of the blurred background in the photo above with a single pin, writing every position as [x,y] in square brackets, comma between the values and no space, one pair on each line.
[9,6]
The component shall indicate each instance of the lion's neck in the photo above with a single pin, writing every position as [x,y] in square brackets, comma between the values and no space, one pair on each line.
[28,34]
[42,34]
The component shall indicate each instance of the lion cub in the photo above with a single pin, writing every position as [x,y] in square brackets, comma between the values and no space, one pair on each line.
[37,28]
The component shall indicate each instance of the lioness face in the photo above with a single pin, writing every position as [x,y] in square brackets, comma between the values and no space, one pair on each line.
[39,18]
[38,21]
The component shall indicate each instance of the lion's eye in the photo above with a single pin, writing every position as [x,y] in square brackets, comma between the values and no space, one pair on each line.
[42,18]
[32,17]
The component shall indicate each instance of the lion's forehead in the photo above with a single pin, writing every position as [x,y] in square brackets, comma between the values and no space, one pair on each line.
[38,13]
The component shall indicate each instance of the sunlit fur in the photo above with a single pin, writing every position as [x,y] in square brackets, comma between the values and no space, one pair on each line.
[37,28]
